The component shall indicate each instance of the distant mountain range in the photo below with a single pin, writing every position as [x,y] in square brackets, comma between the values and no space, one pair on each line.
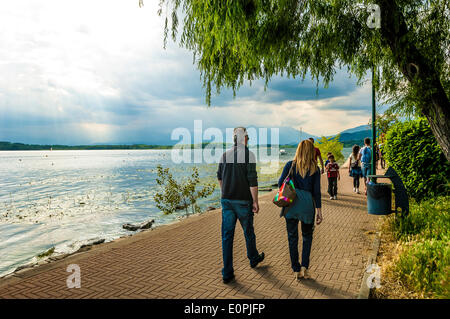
[287,136]
[349,137]
[365,127]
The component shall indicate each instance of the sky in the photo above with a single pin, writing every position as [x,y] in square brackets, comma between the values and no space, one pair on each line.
[87,72]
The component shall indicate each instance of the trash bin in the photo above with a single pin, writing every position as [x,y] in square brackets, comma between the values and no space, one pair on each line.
[379,198]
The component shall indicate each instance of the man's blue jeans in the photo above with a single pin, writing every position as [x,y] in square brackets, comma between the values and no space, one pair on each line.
[233,210]
[307,234]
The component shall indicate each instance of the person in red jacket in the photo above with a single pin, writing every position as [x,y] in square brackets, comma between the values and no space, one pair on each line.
[318,156]
[333,176]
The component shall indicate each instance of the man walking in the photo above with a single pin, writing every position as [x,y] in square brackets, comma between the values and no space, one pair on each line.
[318,156]
[239,185]
[365,156]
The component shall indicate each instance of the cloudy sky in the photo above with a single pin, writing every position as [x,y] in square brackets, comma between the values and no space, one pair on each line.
[84,72]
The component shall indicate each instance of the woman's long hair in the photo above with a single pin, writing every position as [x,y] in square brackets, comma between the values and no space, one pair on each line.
[355,150]
[305,158]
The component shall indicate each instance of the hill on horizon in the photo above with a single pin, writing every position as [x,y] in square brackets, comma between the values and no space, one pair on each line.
[287,136]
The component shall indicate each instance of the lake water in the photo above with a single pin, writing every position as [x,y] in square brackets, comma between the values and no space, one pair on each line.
[64,199]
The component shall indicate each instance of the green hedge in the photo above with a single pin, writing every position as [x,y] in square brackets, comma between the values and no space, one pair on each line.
[411,149]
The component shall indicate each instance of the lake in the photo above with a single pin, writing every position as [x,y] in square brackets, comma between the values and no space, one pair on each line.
[64,199]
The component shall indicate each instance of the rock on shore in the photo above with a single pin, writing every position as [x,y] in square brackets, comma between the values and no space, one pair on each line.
[143,225]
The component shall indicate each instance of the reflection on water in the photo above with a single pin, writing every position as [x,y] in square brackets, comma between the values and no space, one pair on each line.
[62,199]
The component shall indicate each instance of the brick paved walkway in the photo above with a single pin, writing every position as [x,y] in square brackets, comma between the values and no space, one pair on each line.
[183,260]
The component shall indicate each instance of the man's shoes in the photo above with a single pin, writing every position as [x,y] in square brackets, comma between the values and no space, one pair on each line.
[260,258]
[298,275]
[335,197]
[331,197]
[228,280]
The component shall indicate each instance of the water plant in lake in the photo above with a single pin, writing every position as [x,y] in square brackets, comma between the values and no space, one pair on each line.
[47,253]
[175,194]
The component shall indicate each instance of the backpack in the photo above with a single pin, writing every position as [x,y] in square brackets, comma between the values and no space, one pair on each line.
[366,154]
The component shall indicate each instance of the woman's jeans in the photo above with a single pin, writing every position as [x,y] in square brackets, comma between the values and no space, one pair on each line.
[232,210]
[307,232]
[356,181]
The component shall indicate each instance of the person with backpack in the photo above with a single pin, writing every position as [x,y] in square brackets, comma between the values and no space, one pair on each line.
[333,176]
[239,186]
[354,167]
[365,156]
[305,174]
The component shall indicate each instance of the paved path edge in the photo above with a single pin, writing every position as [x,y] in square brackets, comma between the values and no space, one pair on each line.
[364,291]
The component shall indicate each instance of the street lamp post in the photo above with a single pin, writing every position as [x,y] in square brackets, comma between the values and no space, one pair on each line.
[373,168]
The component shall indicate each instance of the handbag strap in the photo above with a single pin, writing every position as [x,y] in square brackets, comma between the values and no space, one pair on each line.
[290,172]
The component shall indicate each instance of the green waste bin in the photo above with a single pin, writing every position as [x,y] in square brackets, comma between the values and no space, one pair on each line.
[379,198]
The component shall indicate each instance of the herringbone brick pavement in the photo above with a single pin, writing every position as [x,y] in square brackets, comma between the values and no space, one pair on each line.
[184,259]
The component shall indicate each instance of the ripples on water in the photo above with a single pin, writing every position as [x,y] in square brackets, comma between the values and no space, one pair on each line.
[62,199]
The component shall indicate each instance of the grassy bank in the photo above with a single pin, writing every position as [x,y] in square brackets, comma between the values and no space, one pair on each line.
[415,252]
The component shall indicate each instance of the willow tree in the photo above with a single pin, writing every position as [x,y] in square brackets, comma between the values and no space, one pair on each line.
[241,40]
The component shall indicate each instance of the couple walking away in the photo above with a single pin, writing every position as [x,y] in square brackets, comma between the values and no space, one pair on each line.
[239,185]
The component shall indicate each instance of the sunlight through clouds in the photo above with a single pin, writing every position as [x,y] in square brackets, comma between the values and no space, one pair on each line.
[96,72]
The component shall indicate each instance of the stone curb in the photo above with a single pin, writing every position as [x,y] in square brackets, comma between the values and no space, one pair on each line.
[364,290]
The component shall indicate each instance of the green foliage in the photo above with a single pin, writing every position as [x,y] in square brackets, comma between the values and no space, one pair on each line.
[425,267]
[332,145]
[179,194]
[238,40]
[424,263]
[429,219]
[412,151]
[47,253]
[384,121]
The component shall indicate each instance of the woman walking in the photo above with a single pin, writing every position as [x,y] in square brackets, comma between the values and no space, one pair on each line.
[306,177]
[354,168]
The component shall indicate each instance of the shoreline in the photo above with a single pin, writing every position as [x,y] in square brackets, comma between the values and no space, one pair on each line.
[98,243]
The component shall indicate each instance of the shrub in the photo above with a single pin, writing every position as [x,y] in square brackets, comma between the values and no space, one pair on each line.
[412,150]
[332,145]
[429,219]
[174,194]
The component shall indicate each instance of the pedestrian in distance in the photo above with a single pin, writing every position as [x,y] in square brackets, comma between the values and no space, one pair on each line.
[354,167]
[365,156]
[318,156]
[333,176]
[328,156]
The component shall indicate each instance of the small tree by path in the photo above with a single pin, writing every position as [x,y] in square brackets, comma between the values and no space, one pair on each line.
[174,194]
[332,145]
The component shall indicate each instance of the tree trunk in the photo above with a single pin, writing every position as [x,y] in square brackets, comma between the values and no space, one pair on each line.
[434,102]
[439,118]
